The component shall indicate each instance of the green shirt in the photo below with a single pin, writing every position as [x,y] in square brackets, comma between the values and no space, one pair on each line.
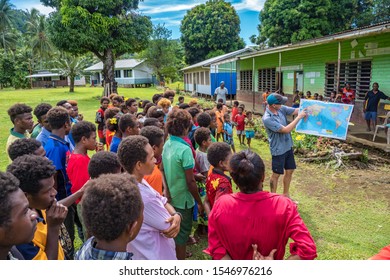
[13,137]
[37,129]
[177,158]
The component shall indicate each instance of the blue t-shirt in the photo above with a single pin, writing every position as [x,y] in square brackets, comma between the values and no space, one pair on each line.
[115,144]
[372,100]
[279,143]
[43,136]
[228,135]
[57,150]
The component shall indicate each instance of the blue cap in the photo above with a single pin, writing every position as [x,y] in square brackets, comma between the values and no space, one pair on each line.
[275,98]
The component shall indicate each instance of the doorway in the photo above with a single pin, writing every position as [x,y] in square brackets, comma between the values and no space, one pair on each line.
[298,81]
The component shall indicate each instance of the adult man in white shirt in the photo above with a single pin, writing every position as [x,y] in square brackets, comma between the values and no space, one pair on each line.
[221,92]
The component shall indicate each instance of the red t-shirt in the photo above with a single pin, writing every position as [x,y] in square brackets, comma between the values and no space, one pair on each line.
[240,120]
[267,219]
[217,184]
[77,171]
[234,112]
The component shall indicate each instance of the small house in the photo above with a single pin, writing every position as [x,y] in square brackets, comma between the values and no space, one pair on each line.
[51,79]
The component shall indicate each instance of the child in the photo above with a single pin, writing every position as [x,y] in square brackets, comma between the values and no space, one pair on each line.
[332,96]
[178,163]
[321,97]
[161,222]
[235,109]
[217,183]
[181,100]
[117,101]
[128,125]
[152,122]
[155,137]
[165,104]
[316,95]
[194,112]
[169,94]
[124,109]
[21,117]
[99,119]
[103,162]
[36,176]
[17,221]
[219,118]
[108,196]
[240,121]
[112,125]
[25,146]
[109,114]
[132,106]
[40,113]
[296,99]
[249,128]
[84,135]
[308,95]
[228,132]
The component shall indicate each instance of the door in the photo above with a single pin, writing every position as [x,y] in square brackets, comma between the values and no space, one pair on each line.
[298,81]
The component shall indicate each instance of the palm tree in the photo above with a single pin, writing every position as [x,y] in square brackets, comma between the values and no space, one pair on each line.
[69,65]
[6,19]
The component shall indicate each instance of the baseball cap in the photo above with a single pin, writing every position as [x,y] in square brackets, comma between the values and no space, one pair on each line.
[275,98]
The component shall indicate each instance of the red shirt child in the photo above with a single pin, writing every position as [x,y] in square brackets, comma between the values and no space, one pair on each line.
[217,184]
[77,171]
[240,119]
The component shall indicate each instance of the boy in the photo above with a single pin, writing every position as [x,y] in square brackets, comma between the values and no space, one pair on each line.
[217,183]
[228,132]
[128,125]
[154,241]
[249,128]
[21,117]
[178,163]
[132,106]
[36,176]
[44,134]
[240,121]
[103,162]
[108,195]
[99,119]
[203,139]
[181,100]
[155,137]
[25,146]
[235,109]
[84,135]
[17,221]
[40,113]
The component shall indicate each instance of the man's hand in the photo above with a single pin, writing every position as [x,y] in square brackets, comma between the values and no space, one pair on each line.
[302,114]
[174,229]
[258,256]
[56,214]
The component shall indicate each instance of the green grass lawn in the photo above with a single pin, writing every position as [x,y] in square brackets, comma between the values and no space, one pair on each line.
[347,214]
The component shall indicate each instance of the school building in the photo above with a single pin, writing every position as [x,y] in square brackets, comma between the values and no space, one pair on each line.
[204,77]
[359,57]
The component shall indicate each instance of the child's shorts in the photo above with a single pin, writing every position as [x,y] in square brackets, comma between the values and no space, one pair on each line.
[240,132]
[249,134]
[229,141]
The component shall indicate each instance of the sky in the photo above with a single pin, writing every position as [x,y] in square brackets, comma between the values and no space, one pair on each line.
[171,12]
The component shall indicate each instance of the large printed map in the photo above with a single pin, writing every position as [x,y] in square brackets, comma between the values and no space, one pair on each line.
[325,119]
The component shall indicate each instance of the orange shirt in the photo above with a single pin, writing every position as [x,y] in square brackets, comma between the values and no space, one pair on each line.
[155,179]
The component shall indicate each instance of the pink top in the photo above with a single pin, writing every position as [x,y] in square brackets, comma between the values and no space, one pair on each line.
[263,218]
[150,244]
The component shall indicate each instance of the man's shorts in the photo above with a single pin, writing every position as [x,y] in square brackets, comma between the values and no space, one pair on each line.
[282,162]
[240,132]
[249,134]
[370,115]
[185,226]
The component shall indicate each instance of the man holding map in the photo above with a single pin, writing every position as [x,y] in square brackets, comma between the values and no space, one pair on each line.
[280,141]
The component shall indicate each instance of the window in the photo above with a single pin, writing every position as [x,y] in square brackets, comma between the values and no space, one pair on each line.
[128,73]
[267,79]
[357,73]
[246,80]
[117,73]
[202,78]
[77,78]
[207,78]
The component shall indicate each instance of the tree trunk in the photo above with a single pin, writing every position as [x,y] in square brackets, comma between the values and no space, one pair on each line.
[71,86]
[109,72]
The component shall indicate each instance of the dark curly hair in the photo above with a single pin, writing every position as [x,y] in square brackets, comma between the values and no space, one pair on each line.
[107,197]
[57,117]
[8,185]
[247,170]
[42,110]
[155,112]
[217,152]
[169,93]
[61,103]
[178,122]
[110,113]
[18,109]
[127,120]
[118,98]
[156,97]
[130,102]
[24,146]
[184,106]
[132,150]
[82,128]
[104,99]
[143,103]
[202,134]
[204,120]
[154,134]
[30,169]
[193,111]
[112,123]
[147,107]
[151,122]
[103,162]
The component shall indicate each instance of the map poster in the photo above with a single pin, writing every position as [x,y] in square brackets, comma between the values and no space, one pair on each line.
[325,119]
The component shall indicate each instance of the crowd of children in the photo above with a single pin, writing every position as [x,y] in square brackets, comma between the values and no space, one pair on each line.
[174,160]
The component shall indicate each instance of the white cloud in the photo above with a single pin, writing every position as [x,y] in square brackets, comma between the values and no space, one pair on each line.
[249,5]
[158,9]
[29,5]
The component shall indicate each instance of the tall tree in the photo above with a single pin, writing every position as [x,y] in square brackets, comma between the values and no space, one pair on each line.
[210,27]
[107,28]
[70,66]
[6,22]
[162,54]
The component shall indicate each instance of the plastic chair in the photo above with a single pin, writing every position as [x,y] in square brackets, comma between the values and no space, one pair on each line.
[383,126]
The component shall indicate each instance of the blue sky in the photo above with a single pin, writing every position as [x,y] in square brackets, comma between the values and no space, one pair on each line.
[171,12]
